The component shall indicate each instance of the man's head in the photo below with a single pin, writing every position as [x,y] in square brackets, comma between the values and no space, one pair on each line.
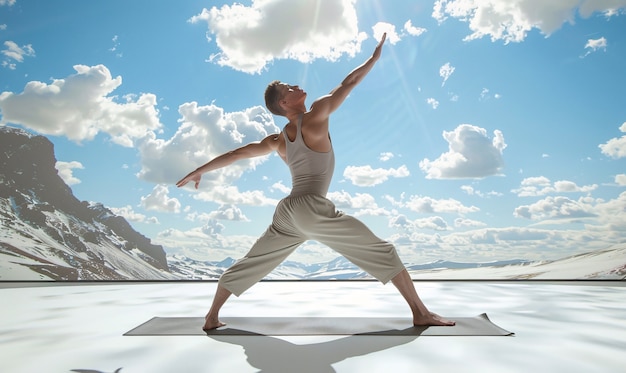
[273,95]
[280,98]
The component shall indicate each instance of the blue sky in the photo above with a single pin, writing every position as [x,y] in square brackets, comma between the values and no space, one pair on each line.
[488,130]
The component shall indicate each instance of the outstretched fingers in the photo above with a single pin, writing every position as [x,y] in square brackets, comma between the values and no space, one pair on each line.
[193,176]
[382,39]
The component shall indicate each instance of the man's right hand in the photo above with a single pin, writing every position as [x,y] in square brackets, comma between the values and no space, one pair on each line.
[194,176]
[379,47]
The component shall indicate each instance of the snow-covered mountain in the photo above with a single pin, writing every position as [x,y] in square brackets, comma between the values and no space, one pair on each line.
[337,269]
[48,234]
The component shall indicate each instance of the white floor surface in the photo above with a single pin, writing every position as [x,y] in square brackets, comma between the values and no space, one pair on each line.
[559,327]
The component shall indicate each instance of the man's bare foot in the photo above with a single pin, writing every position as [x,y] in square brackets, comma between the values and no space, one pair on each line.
[211,323]
[432,320]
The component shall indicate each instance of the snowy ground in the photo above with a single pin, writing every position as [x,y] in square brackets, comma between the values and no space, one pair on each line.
[607,264]
[559,327]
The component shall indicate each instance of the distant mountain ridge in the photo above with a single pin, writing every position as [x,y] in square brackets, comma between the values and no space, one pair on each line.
[607,264]
[46,230]
[337,269]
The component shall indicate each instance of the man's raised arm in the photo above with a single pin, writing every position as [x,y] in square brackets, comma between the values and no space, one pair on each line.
[335,98]
[266,146]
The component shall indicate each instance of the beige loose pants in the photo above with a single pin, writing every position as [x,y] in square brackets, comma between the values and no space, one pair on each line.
[312,217]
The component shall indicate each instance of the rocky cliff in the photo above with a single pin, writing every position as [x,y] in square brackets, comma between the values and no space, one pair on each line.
[47,233]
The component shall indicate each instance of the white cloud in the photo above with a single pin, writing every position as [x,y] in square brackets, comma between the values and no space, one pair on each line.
[541,185]
[7,2]
[436,223]
[430,205]
[445,72]
[250,37]
[432,102]
[604,223]
[115,46]
[473,192]
[615,147]
[594,45]
[511,21]
[532,243]
[363,203]
[159,200]
[212,228]
[468,189]
[381,27]
[196,216]
[14,53]
[205,132]
[536,180]
[65,170]
[471,154]
[368,176]
[556,208]
[566,186]
[230,195]
[3,27]
[609,8]
[279,186]
[484,95]
[228,212]
[412,30]
[344,199]
[611,217]
[620,179]
[384,157]
[129,214]
[9,65]
[79,107]
[205,242]
[463,222]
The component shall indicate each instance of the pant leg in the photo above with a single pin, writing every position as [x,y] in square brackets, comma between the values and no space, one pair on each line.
[271,249]
[350,238]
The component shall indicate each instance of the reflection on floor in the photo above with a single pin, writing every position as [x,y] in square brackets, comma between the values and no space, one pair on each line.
[559,327]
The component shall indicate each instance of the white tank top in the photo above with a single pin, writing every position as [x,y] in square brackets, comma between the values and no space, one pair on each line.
[311,171]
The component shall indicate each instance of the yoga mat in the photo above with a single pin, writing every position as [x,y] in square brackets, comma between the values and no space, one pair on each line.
[181,326]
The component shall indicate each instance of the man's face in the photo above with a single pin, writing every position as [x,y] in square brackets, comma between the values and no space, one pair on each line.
[292,93]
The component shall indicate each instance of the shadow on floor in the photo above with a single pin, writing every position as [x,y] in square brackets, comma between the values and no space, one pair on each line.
[274,355]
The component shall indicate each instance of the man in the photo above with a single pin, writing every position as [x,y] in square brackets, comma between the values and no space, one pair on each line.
[306,214]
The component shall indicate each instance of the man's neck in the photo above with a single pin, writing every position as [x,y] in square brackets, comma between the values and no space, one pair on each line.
[293,115]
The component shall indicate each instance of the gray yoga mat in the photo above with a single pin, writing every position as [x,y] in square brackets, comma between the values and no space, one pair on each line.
[275,326]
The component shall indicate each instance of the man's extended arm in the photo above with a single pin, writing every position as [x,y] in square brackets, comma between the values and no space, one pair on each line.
[329,103]
[248,151]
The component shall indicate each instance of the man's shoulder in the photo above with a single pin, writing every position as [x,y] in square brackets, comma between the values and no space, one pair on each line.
[320,103]
[272,140]
[317,113]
